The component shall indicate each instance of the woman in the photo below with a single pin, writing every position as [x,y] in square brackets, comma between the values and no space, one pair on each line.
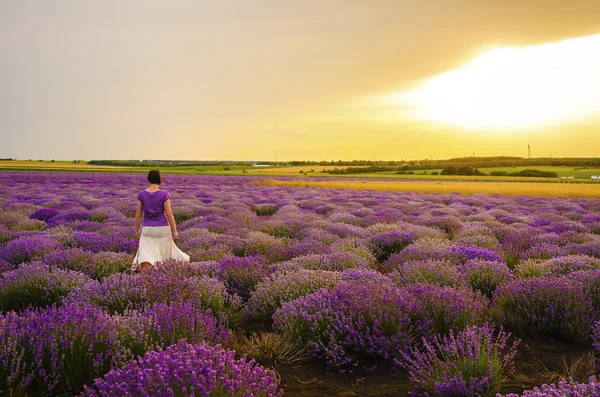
[159,229]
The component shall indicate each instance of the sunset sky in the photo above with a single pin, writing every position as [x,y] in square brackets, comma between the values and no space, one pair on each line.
[304,80]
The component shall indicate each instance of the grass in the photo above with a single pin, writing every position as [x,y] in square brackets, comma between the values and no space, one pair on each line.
[580,369]
[269,346]
[577,172]
[444,187]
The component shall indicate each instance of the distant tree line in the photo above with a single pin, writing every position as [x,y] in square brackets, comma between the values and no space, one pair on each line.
[380,166]
[527,173]
[530,173]
[472,162]
[171,163]
[463,170]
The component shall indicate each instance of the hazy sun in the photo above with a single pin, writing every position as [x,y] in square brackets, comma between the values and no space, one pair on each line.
[512,87]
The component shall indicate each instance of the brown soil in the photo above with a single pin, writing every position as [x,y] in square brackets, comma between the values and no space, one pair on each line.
[536,357]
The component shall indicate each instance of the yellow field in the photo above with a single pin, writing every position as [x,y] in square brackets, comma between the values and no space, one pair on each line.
[469,188]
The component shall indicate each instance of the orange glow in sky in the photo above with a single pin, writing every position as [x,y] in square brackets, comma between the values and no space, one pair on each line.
[513,87]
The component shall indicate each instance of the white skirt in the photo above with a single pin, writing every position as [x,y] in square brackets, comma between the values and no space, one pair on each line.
[157,245]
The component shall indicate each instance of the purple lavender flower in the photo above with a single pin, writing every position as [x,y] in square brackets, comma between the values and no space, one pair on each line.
[272,292]
[473,362]
[414,253]
[121,292]
[345,230]
[44,214]
[437,272]
[94,264]
[569,264]
[448,308]
[164,325]
[38,285]
[69,217]
[447,223]
[185,369]
[514,244]
[337,261]
[5,266]
[359,275]
[564,387]
[591,285]
[388,243]
[58,350]
[465,254]
[27,249]
[305,248]
[241,275]
[485,276]
[353,323]
[545,305]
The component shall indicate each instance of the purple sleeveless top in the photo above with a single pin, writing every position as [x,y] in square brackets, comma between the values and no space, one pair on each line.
[153,205]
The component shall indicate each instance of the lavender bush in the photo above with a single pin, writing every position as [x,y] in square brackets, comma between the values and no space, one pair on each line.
[186,369]
[473,362]
[241,275]
[545,305]
[271,293]
[387,243]
[569,264]
[337,261]
[564,388]
[485,276]
[448,308]
[38,285]
[591,285]
[352,324]
[164,325]
[27,249]
[120,292]
[54,352]
[431,272]
[94,264]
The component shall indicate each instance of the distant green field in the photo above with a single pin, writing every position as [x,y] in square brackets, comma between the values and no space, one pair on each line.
[581,174]
[577,172]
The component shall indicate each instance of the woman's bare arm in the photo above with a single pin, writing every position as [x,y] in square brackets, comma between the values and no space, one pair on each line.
[138,219]
[171,219]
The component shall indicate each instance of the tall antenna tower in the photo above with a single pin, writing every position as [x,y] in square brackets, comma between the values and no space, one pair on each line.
[528,151]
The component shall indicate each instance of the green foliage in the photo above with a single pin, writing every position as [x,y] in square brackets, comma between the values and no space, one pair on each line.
[462,170]
[265,209]
[182,216]
[535,174]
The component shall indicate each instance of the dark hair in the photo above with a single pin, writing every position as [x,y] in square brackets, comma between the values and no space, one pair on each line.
[154,177]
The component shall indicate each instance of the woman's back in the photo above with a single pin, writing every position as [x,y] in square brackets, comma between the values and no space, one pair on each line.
[153,205]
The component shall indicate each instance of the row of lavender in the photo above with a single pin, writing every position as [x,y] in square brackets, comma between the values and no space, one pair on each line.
[356,277]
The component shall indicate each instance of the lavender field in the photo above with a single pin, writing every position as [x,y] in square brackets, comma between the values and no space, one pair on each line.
[439,290]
